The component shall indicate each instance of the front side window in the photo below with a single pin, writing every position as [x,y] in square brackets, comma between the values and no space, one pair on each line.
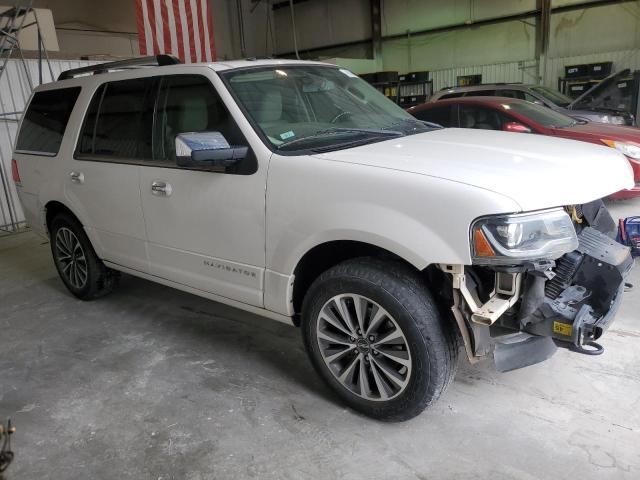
[118,123]
[316,108]
[45,121]
[188,104]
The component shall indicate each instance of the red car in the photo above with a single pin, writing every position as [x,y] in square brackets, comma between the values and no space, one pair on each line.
[514,115]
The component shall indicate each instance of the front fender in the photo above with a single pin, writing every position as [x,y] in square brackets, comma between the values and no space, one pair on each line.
[421,219]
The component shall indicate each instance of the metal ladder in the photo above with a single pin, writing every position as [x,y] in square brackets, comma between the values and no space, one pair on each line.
[12,21]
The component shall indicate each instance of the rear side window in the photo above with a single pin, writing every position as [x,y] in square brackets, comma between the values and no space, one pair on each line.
[511,94]
[439,115]
[119,121]
[45,121]
[452,95]
[481,93]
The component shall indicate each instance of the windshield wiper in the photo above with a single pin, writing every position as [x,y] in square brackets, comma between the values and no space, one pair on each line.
[419,122]
[349,144]
[337,130]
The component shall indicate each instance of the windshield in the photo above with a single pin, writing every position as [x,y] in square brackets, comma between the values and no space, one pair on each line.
[542,115]
[317,107]
[555,97]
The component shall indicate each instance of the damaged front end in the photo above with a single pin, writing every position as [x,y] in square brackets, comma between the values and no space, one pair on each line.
[538,282]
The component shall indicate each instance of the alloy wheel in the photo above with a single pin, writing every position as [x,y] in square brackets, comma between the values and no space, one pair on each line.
[71,258]
[364,347]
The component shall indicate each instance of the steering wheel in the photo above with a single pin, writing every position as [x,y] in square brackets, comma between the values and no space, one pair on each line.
[339,116]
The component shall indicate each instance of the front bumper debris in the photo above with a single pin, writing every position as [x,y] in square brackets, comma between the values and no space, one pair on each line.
[581,301]
[523,313]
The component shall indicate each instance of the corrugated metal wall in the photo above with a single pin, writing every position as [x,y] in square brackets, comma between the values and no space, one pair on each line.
[621,59]
[15,89]
[526,71]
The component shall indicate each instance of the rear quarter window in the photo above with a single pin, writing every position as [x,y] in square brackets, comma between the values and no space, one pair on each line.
[45,121]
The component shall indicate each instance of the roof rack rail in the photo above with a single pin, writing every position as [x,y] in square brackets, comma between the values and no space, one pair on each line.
[151,61]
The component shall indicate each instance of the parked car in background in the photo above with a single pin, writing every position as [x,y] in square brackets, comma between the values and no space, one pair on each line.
[513,115]
[615,95]
[542,96]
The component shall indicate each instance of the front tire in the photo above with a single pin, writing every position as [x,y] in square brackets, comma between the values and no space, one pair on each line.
[375,335]
[80,269]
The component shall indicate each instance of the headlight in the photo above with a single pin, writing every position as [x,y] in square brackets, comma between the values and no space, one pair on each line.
[511,239]
[629,149]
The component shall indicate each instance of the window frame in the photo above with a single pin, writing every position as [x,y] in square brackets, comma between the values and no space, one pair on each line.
[40,153]
[155,91]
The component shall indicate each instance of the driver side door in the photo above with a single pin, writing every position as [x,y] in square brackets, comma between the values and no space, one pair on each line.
[205,229]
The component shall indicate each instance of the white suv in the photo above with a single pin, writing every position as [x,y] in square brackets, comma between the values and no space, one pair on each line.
[296,191]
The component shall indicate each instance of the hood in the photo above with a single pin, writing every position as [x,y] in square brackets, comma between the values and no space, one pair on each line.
[599,131]
[533,170]
[595,115]
[602,96]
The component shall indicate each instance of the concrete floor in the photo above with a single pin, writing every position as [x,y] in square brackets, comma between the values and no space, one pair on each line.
[154,383]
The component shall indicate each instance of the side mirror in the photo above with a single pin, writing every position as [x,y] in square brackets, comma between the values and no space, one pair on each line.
[515,127]
[208,150]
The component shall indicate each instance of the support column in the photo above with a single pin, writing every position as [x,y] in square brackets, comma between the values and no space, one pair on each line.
[543,27]
[376,31]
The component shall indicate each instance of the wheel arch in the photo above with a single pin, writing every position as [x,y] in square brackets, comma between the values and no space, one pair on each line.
[323,256]
[53,208]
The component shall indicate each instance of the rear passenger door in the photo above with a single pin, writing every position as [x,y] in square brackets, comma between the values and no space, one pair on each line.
[205,228]
[102,184]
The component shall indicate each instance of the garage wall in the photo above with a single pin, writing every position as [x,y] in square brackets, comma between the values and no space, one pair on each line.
[595,30]
[600,33]
[98,27]
[460,48]
[323,22]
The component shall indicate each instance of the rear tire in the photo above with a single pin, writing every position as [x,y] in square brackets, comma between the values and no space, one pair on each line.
[376,337]
[80,269]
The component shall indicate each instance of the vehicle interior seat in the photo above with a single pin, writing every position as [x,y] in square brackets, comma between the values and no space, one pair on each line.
[467,119]
[268,112]
[485,120]
[194,110]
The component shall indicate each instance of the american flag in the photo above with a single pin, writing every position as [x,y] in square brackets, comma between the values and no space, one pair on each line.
[183,28]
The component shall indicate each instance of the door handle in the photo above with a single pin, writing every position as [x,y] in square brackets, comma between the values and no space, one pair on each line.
[160,188]
[76,177]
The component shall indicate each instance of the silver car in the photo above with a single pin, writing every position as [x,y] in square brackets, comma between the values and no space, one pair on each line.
[545,96]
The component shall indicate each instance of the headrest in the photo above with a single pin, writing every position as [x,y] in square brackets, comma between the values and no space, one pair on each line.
[193,115]
[270,106]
